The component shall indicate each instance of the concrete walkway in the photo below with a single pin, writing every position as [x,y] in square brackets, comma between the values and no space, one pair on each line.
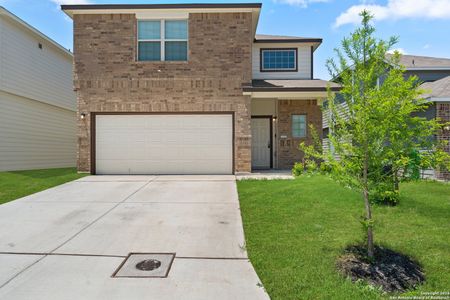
[66,242]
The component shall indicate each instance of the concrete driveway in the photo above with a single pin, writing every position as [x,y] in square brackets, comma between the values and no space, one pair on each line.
[66,242]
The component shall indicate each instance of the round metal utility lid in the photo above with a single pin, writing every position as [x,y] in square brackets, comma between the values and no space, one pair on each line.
[148,265]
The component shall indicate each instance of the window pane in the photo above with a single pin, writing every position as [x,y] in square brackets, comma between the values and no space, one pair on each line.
[149,51]
[176,30]
[278,59]
[298,125]
[176,50]
[149,30]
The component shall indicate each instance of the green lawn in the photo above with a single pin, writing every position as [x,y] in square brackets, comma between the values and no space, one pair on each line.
[296,229]
[18,184]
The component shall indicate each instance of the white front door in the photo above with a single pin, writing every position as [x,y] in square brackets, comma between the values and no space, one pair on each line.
[164,144]
[261,143]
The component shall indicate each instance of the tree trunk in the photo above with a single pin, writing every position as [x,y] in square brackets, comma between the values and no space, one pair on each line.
[396,184]
[370,246]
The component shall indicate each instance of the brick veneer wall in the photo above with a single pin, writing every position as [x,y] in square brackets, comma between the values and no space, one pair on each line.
[107,77]
[443,112]
[288,147]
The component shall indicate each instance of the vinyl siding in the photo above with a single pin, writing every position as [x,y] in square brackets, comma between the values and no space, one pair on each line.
[343,107]
[430,75]
[304,62]
[43,74]
[35,135]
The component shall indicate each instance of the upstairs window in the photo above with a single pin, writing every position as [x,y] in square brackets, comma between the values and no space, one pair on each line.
[279,60]
[162,40]
[298,126]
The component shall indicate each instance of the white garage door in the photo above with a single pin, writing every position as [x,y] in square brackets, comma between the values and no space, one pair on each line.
[164,144]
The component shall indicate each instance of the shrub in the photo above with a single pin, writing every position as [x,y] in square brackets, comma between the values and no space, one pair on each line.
[298,169]
[311,165]
[325,168]
[384,195]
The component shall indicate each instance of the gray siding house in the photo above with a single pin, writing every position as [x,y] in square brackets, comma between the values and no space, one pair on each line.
[434,73]
[37,101]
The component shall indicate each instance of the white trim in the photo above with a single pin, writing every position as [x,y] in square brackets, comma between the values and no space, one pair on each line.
[437,99]
[152,12]
[428,69]
[279,69]
[288,95]
[167,15]
[162,38]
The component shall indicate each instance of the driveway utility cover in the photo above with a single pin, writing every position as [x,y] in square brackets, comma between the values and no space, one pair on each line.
[145,265]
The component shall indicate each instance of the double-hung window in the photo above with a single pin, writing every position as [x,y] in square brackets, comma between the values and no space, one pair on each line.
[279,60]
[298,126]
[162,40]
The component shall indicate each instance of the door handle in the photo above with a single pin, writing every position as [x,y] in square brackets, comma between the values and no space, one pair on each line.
[268,145]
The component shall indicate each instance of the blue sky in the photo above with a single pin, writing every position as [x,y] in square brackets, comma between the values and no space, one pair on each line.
[422,25]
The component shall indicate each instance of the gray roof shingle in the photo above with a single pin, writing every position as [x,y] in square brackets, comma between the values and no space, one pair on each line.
[415,61]
[437,89]
[294,85]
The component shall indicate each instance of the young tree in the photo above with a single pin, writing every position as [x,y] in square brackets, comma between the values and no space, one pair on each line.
[373,131]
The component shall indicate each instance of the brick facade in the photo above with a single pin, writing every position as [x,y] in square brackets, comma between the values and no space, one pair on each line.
[288,151]
[443,113]
[109,79]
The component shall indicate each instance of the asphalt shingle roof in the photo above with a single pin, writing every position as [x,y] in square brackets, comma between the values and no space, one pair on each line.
[439,88]
[292,85]
[415,61]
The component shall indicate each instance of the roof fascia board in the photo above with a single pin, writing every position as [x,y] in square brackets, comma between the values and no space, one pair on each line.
[428,69]
[288,41]
[287,95]
[159,6]
[438,99]
[130,10]
[289,89]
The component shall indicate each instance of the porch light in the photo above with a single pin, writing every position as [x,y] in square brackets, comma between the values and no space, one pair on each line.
[274,118]
[82,116]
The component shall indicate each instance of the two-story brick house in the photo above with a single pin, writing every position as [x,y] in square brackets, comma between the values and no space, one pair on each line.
[189,89]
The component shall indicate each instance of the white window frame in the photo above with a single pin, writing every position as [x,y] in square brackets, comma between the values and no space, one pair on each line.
[162,40]
[306,126]
[294,69]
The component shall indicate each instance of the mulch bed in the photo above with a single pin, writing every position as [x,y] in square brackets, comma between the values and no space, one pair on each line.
[392,271]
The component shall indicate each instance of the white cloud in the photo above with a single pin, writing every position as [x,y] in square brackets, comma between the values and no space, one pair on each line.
[399,50]
[426,46]
[301,3]
[397,9]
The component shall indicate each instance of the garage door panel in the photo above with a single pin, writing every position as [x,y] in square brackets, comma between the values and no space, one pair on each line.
[164,144]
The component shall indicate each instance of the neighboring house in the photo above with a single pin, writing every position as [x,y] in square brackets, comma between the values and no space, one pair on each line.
[37,101]
[189,89]
[435,74]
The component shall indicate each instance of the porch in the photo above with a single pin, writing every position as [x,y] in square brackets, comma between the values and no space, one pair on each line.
[281,113]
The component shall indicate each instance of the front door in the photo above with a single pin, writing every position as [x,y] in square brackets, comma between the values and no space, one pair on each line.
[261,142]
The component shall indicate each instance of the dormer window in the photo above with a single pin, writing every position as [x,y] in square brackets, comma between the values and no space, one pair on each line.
[278,60]
[162,40]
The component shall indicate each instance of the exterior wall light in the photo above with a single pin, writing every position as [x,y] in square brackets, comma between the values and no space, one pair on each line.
[274,118]
[82,116]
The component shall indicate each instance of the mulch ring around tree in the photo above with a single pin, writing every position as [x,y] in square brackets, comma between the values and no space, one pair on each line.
[392,271]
